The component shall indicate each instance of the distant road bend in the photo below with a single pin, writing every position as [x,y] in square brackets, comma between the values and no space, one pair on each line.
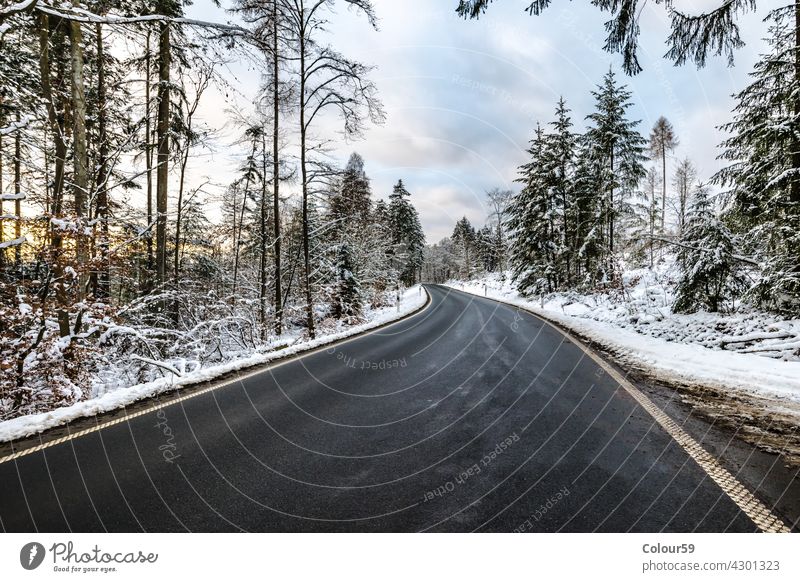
[468,416]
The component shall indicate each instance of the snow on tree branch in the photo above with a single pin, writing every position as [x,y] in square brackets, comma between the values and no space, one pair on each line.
[13,243]
[15,127]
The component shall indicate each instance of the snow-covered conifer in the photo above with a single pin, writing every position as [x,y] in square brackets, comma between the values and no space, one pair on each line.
[711,276]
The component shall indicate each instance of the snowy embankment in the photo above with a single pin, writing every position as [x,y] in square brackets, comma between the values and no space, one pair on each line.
[412,300]
[668,352]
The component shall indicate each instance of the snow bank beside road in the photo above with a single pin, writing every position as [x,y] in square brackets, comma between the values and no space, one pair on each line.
[412,300]
[664,360]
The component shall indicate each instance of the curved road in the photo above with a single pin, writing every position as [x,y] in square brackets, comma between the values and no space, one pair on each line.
[467,416]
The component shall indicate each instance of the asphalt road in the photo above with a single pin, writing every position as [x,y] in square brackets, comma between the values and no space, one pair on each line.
[467,416]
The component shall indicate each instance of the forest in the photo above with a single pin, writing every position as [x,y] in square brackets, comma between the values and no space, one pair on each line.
[597,201]
[114,267]
[119,267]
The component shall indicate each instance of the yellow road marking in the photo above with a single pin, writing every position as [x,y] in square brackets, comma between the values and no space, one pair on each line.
[260,370]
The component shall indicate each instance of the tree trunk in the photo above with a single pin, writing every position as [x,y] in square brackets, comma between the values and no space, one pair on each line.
[652,222]
[103,288]
[80,174]
[2,221]
[612,212]
[500,249]
[57,130]
[663,186]
[162,173]
[567,238]
[17,193]
[795,188]
[179,210]
[276,218]
[237,236]
[304,172]
[262,243]
[148,154]
[47,201]
[794,194]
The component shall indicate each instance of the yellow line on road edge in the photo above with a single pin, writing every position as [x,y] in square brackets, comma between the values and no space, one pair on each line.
[259,370]
[759,513]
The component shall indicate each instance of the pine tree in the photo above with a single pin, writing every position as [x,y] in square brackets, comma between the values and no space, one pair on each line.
[561,145]
[382,215]
[407,236]
[382,263]
[172,8]
[590,249]
[762,181]
[465,238]
[530,226]
[351,204]
[347,297]
[618,149]
[710,274]
[354,224]
[245,192]
[486,250]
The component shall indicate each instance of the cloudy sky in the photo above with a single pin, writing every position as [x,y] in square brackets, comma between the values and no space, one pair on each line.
[463,97]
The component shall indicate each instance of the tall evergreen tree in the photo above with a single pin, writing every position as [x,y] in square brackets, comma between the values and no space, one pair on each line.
[486,250]
[711,276]
[465,239]
[347,297]
[530,226]
[762,181]
[561,156]
[618,149]
[588,216]
[407,237]
[351,204]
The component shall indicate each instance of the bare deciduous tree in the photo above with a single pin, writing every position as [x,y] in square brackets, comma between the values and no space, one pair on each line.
[684,182]
[498,202]
[662,141]
[327,80]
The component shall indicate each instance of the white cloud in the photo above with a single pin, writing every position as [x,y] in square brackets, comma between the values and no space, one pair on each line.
[463,97]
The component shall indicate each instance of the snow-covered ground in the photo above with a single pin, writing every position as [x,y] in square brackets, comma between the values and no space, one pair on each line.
[111,396]
[636,325]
